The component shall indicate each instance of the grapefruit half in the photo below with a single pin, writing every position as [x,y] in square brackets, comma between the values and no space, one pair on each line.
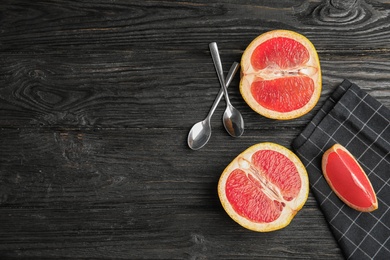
[348,180]
[264,187]
[281,75]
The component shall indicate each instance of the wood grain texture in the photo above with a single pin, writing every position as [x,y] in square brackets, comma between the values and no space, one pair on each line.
[96,101]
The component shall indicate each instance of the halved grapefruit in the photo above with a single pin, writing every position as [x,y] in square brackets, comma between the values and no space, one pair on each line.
[281,75]
[264,187]
[348,180]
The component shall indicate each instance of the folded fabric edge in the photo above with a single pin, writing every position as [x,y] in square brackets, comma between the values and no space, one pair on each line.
[326,107]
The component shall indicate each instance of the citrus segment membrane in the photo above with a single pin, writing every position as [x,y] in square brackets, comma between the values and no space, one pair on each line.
[348,180]
[280,171]
[264,187]
[247,199]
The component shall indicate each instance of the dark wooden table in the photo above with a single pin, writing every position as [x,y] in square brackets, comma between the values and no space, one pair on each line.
[96,101]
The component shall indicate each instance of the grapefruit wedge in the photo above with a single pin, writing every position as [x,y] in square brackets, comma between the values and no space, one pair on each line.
[264,187]
[280,75]
[348,180]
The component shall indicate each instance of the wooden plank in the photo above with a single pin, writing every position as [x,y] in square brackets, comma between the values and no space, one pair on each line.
[137,91]
[174,25]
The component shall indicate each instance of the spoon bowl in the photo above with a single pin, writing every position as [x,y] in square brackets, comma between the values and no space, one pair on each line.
[199,134]
[233,121]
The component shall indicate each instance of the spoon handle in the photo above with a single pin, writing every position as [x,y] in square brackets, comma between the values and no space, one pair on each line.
[218,67]
[233,70]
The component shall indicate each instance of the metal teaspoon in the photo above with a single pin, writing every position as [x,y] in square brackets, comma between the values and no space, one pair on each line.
[200,132]
[232,118]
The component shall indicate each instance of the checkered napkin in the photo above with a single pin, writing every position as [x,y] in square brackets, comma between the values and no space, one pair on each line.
[360,123]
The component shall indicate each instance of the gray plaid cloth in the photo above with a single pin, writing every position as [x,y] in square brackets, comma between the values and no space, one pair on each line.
[360,123]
